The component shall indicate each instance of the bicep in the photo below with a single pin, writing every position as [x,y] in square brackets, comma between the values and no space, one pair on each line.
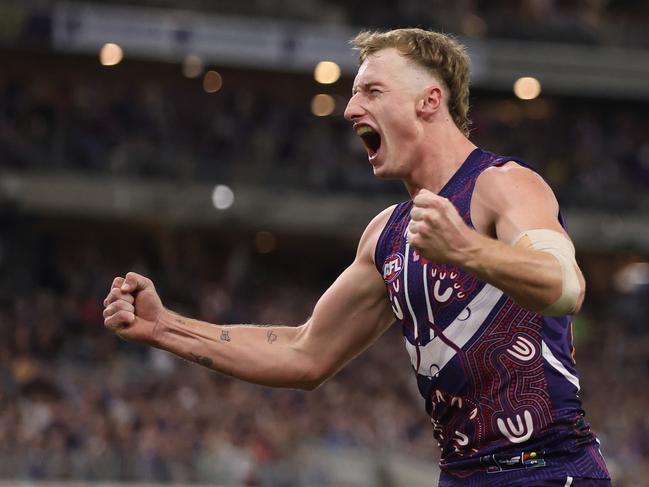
[349,316]
[354,311]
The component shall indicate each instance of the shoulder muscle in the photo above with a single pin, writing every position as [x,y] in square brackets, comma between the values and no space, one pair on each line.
[511,198]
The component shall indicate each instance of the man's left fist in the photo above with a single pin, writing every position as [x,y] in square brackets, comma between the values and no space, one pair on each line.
[436,230]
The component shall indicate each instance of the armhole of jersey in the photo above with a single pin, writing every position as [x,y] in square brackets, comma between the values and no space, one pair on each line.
[379,241]
[501,161]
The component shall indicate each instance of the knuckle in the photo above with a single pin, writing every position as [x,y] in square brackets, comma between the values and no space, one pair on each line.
[122,315]
[117,295]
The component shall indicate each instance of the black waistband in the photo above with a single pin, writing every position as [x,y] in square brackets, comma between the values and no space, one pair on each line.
[500,462]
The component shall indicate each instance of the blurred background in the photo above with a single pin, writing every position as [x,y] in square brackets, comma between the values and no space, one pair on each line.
[202,143]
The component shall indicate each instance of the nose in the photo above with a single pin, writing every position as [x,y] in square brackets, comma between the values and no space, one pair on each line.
[354,109]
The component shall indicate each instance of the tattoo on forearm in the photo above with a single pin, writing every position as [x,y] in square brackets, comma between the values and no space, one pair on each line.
[204,361]
[271,336]
[225,336]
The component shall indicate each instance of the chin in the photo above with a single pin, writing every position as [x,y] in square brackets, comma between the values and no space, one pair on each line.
[380,172]
[384,171]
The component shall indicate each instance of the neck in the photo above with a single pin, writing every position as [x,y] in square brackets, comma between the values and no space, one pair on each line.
[444,150]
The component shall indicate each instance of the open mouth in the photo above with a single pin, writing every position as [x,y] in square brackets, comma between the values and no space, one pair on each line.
[371,139]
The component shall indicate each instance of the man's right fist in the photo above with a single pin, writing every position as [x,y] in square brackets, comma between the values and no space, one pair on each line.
[132,308]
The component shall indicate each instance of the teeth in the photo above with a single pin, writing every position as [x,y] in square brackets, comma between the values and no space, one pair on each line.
[364,129]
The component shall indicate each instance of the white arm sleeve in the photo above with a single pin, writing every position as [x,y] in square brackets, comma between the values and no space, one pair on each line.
[563,250]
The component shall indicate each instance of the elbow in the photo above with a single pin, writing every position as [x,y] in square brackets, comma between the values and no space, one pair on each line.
[313,368]
[566,293]
[309,386]
[580,298]
[570,301]
[313,376]
[313,382]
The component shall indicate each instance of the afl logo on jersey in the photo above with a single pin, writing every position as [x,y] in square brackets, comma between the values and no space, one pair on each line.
[392,267]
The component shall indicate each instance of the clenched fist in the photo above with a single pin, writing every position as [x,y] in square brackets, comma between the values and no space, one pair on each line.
[132,308]
[437,231]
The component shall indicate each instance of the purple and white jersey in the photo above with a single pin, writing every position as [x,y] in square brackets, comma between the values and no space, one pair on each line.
[496,379]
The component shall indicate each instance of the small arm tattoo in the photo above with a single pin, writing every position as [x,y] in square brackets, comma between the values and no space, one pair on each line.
[225,336]
[271,336]
[204,361]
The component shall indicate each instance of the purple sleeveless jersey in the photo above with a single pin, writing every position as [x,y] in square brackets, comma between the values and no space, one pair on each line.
[499,382]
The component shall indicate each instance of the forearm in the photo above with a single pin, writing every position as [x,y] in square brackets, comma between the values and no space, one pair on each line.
[531,278]
[266,355]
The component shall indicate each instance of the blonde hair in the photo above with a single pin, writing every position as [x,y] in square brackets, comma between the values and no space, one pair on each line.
[438,53]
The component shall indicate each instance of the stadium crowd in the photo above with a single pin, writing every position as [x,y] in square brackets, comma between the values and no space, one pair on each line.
[78,403]
[159,125]
[619,22]
[594,22]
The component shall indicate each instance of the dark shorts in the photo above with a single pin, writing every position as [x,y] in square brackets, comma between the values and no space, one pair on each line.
[573,482]
[583,468]
[561,482]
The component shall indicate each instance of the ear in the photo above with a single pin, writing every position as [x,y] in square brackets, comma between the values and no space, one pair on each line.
[430,102]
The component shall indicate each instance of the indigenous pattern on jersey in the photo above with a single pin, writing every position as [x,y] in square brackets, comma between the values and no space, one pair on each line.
[499,382]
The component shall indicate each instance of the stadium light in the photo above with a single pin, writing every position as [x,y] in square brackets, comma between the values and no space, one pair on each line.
[212,82]
[323,105]
[110,54]
[326,72]
[222,197]
[192,66]
[527,88]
